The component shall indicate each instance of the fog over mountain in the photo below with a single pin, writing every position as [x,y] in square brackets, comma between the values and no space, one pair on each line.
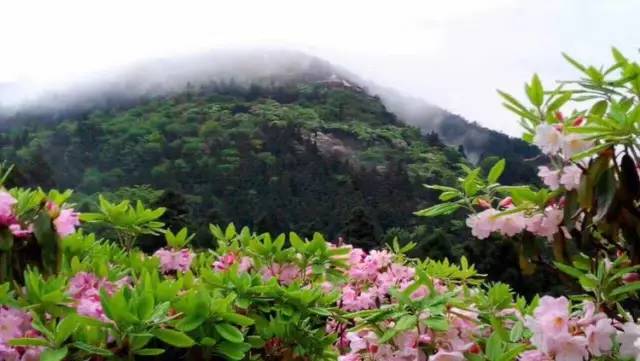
[267,67]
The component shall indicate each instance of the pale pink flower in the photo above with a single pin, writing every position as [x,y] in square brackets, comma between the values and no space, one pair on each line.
[546,224]
[570,177]
[174,261]
[66,222]
[573,144]
[599,337]
[484,223]
[629,339]
[552,314]
[511,224]
[568,348]
[11,324]
[534,355]
[381,259]
[548,138]
[551,178]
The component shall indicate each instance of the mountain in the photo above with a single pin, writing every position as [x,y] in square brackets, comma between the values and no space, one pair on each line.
[299,145]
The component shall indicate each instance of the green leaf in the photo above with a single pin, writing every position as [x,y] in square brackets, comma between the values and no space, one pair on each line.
[173,338]
[238,319]
[493,348]
[573,272]
[575,63]
[229,332]
[534,91]
[94,350]
[629,288]
[234,351]
[438,210]
[496,171]
[447,196]
[149,352]
[51,354]
[65,328]
[26,341]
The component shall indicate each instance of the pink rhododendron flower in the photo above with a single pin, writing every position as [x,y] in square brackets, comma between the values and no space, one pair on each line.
[629,339]
[174,261]
[551,178]
[511,224]
[66,222]
[285,274]
[483,223]
[548,138]
[570,177]
[17,230]
[85,288]
[8,353]
[226,261]
[15,323]
[573,144]
[566,347]
[534,355]
[7,202]
[599,337]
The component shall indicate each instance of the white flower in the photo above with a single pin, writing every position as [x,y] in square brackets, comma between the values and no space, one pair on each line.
[548,138]
[573,144]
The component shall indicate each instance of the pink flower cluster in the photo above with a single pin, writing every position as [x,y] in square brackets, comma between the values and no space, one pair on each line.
[562,336]
[568,177]
[174,260]
[224,262]
[370,278]
[450,345]
[285,273]
[8,217]
[15,323]
[553,139]
[85,288]
[544,224]
[66,222]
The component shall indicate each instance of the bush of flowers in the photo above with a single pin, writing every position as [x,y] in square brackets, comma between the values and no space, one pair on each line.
[584,223]
[68,294]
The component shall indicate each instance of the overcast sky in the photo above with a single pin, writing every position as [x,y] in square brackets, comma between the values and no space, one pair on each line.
[451,53]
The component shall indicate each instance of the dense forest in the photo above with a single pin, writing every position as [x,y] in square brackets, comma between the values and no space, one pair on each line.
[311,156]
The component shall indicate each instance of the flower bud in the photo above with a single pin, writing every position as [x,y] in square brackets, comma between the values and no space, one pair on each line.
[506,202]
[52,209]
[484,203]
[631,277]
[578,121]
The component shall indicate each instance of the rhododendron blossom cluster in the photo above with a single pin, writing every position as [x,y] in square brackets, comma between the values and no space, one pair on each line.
[85,288]
[172,261]
[15,323]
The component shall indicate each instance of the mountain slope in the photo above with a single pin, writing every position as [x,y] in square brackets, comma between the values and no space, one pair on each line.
[305,156]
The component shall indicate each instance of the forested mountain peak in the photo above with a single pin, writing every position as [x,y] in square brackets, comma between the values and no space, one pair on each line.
[310,150]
